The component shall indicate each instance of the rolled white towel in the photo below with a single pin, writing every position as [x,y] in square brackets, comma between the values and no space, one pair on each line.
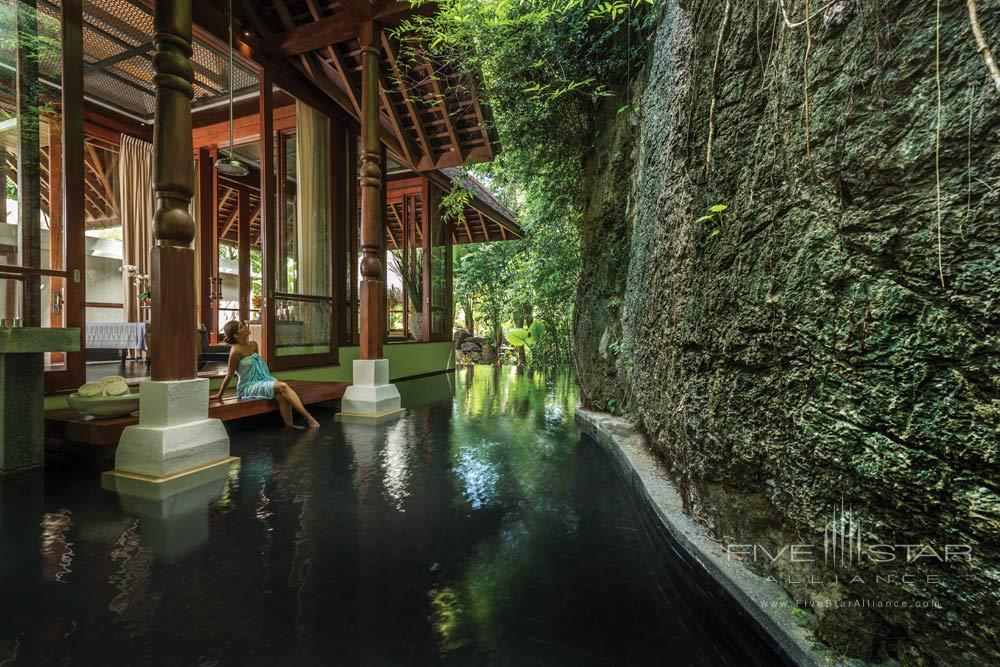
[116,389]
[91,389]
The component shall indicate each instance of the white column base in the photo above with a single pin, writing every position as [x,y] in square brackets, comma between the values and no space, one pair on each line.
[371,397]
[174,434]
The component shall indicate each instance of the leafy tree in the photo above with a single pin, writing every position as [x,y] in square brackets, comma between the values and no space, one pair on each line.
[547,66]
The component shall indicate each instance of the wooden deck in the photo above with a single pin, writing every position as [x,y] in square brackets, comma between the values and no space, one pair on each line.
[69,426]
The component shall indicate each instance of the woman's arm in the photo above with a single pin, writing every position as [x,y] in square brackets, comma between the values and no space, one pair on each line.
[234,362]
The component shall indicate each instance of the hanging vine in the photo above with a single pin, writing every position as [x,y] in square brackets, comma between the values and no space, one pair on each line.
[984,49]
[715,82]
[937,136]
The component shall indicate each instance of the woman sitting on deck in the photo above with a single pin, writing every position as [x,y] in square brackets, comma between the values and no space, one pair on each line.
[254,380]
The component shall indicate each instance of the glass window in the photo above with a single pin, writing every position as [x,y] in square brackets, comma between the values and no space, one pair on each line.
[31,218]
[303,311]
[439,296]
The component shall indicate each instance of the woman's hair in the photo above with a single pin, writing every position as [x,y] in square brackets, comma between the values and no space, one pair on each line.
[229,332]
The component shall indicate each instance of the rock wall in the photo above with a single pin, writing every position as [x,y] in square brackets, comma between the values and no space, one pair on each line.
[833,347]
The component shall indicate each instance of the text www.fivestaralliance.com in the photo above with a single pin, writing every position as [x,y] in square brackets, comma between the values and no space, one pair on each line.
[860,603]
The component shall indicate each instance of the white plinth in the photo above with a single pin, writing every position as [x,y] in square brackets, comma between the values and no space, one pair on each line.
[174,434]
[371,396]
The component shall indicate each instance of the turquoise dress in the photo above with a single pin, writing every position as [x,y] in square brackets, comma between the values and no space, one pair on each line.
[254,378]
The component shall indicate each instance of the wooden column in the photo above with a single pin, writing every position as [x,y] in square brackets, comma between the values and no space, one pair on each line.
[56,287]
[172,258]
[426,223]
[209,248]
[28,173]
[267,216]
[244,254]
[74,222]
[370,179]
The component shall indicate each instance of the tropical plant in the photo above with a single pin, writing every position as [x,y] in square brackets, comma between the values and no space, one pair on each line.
[413,278]
[527,337]
[714,218]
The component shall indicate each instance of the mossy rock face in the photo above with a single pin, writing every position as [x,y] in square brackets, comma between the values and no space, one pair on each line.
[808,352]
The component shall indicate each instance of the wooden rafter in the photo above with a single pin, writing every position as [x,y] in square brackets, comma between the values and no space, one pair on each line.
[319,33]
[418,123]
[443,108]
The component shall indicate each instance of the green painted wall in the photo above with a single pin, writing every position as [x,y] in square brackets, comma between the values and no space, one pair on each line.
[405,360]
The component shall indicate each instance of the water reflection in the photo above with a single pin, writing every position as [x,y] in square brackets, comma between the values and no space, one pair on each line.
[56,550]
[479,528]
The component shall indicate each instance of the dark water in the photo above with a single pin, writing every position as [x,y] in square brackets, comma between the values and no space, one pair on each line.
[480,528]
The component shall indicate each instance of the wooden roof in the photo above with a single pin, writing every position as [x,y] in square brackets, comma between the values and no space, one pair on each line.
[483,219]
[432,113]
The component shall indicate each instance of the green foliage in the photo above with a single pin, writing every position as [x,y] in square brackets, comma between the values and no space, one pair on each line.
[10,188]
[528,337]
[547,67]
[412,276]
[452,205]
[714,218]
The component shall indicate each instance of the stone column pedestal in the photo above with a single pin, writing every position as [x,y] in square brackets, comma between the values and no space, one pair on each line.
[22,393]
[371,397]
[175,435]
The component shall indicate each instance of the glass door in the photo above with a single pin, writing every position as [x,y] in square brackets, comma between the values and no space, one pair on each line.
[302,303]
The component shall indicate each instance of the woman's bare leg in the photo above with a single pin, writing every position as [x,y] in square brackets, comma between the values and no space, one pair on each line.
[296,403]
[285,409]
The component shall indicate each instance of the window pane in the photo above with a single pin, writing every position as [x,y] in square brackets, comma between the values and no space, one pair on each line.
[302,327]
[31,220]
[439,274]
[304,205]
[394,293]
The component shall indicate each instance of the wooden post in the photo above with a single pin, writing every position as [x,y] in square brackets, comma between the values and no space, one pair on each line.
[56,288]
[75,295]
[370,179]
[29,195]
[172,258]
[209,248]
[426,223]
[243,262]
[268,228]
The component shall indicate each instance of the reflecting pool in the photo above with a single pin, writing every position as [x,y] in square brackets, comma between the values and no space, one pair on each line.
[480,528]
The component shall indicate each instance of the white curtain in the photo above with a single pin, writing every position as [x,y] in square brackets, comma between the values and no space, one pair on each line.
[135,176]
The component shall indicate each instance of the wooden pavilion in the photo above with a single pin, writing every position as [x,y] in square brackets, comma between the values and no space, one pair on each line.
[348,136]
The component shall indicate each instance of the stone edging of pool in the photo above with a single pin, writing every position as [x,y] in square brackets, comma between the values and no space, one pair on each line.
[646,477]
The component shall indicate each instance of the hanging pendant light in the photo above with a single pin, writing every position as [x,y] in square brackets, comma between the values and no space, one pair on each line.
[231,166]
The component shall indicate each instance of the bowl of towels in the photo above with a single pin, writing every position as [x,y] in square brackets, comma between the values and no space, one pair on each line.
[108,397]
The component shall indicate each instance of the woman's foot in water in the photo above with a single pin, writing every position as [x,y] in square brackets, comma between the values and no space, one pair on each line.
[312,423]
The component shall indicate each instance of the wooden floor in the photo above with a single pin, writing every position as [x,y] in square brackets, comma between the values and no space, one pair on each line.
[67,426]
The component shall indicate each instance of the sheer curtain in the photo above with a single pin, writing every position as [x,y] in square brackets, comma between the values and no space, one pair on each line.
[135,175]
[312,166]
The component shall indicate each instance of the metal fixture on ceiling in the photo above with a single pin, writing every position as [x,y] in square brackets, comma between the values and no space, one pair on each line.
[231,166]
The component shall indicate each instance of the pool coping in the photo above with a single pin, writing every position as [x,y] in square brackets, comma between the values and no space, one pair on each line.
[647,478]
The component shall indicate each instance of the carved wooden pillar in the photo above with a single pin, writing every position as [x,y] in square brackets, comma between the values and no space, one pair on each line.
[172,258]
[370,178]
[28,173]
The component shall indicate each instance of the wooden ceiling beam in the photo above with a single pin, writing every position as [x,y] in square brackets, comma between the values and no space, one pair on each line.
[311,36]
[362,10]
[410,152]
[390,55]
[232,219]
[394,11]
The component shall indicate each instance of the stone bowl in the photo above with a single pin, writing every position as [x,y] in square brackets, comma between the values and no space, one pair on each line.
[104,407]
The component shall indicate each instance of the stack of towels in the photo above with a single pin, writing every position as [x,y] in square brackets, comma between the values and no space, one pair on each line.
[112,385]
